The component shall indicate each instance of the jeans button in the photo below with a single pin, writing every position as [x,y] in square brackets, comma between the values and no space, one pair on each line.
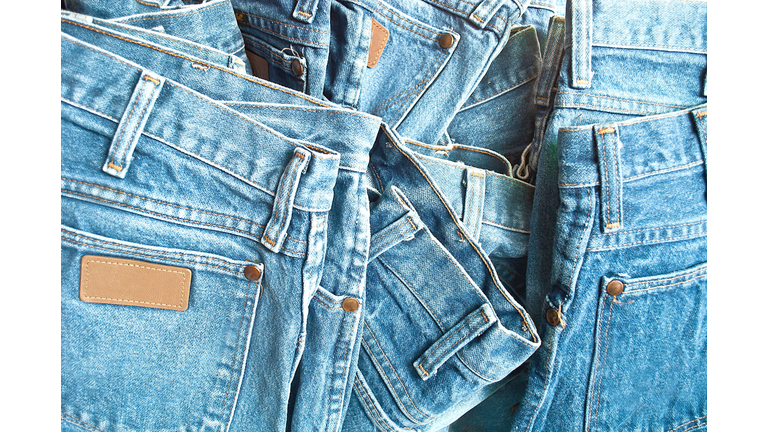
[553,317]
[349,304]
[252,273]
[615,287]
[296,67]
[446,40]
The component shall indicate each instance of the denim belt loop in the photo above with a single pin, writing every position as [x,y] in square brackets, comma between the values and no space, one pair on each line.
[474,198]
[609,166]
[700,119]
[305,10]
[402,229]
[132,124]
[484,12]
[282,208]
[581,43]
[553,55]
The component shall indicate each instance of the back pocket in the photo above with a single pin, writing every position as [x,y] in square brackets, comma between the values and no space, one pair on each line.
[162,331]
[650,365]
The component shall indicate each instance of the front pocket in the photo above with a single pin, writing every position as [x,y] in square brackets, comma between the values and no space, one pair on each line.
[140,364]
[649,370]
[283,66]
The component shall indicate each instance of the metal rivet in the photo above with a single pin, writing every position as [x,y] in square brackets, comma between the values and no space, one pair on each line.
[553,317]
[350,305]
[446,40]
[252,273]
[296,67]
[615,287]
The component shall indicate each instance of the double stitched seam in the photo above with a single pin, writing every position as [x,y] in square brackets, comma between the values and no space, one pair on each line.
[673,430]
[122,130]
[548,374]
[611,44]
[282,23]
[396,376]
[666,170]
[607,181]
[413,291]
[602,373]
[88,276]
[480,255]
[172,16]
[287,37]
[80,423]
[241,352]
[667,286]
[284,210]
[253,80]
[395,240]
[328,110]
[421,87]
[428,360]
[647,229]
[668,279]
[617,177]
[161,215]
[622,100]
[498,225]
[622,110]
[649,241]
[406,20]
[581,239]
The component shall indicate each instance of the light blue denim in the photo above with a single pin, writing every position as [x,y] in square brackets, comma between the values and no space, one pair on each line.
[619,158]
[263,392]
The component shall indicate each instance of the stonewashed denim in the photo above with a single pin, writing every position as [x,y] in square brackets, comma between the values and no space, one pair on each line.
[435,342]
[433,55]
[211,23]
[617,267]
[264,404]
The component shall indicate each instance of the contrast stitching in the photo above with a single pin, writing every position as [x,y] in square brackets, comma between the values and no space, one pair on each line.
[414,292]
[648,242]
[286,37]
[406,20]
[623,100]
[665,170]
[667,286]
[247,78]
[602,373]
[306,15]
[87,277]
[673,430]
[692,272]
[698,425]
[429,363]
[566,104]
[617,177]
[416,89]
[511,87]
[329,110]
[382,105]
[147,256]
[371,408]
[81,423]
[456,222]
[234,358]
[581,238]
[648,229]
[284,24]
[609,43]
[122,129]
[547,375]
[373,357]
[172,16]
[496,224]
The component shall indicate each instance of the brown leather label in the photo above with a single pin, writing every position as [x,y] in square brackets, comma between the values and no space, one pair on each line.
[379,38]
[134,283]
[259,65]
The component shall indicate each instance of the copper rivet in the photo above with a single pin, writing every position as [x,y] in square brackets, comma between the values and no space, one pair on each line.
[615,287]
[296,67]
[350,305]
[446,40]
[553,317]
[252,273]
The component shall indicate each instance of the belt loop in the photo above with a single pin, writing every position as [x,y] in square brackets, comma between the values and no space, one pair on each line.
[132,124]
[609,166]
[581,43]
[474,198]
[553,55]
[486,10]
[277,228]
[236,64]
[700,118]
[305,10]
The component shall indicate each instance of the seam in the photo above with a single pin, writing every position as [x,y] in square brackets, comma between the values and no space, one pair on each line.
[399,16]
[284,209]
[604,248]
[423,86]
[617,177]
[648,229]
[666,286]
[695,426]
[329,110]
[623,100]
[371,408]
[498,225]
[548,374]
[668,279]
[195,11]
[380,49]
[147,4]
[605,354]
[631,44]
[429,357]
[607,181]
[510,88]
[384,105]
[564,104]
[673,430]
[375,246]
[253,80]
[284,24]
[373,358]
[146,256]
[413,291]
[480,255]
[666,170]
[581,239]
[303,14]
[282,36]
[87,278]
[122,129]
[80,423]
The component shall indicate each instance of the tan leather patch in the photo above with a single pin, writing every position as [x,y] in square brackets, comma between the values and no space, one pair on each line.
[134,283]
[259,65]
[379,38]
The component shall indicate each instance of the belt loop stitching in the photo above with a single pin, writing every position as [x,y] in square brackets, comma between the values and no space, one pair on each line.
[474,198]
[305,10]
[276,230]
[134,118]
[485,11]
[609,167]
[553,55]
[581,43]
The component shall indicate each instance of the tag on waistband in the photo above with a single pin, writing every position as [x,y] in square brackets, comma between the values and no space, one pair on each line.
[259,65]
[379,38]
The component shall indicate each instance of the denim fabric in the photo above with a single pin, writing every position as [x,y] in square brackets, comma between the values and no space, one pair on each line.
[212,23]
[434,343]
[264,405]
[620,158]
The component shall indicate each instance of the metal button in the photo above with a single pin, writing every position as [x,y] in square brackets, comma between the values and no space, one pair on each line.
[349,304]
[553,317]
[446,40]
[615,287]
[252,273]
[296,67]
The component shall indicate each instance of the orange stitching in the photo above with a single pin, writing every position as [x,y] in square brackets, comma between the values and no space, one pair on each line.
[607,183]
[605,131]
[284,24]
[304,14]
[564,104]
[423,370]
[624,100]
[412,224]
[648,229]
[478,18]
[647,242]
[371,408]
[693,272]
[152,80]
[701,50]
[488,267]
[194,11]
[665,170]
[396,14]
[429,356]
[328,110]
[701,114]
[127,119]
[247,78]
[616,170]
[496,224]
[147,4]
[613,225]
[581,238]
[408,89]
[413,291]
[667,286]
[602,373]
[673,430]
[701,424]
[116,167]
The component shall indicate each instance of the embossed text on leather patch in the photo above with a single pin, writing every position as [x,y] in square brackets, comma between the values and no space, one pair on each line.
[379,38]
[134,283]
[259,65]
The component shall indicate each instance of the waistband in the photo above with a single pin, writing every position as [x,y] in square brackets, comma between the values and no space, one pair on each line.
[633,149]
[223,84]
[303,22]
[110,87]
[676,26]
